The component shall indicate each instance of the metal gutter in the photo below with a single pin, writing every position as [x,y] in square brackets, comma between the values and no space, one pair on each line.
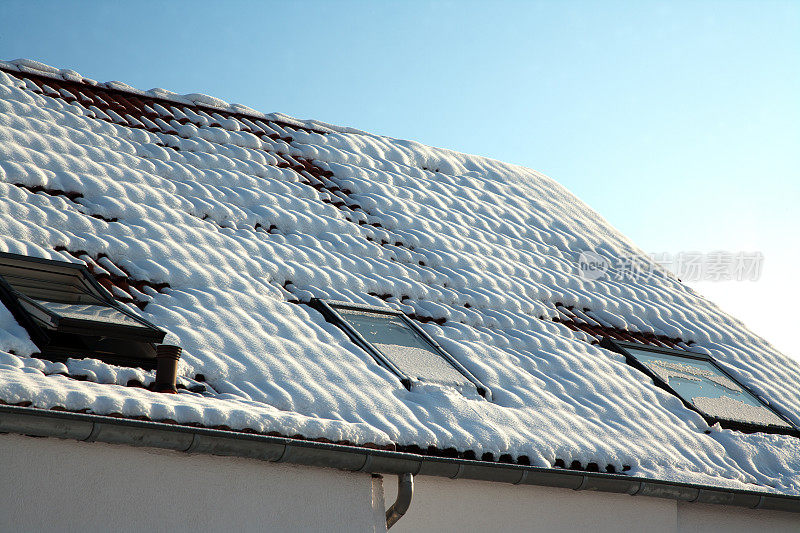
[94,428]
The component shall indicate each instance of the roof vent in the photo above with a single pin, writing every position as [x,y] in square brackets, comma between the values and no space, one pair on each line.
[167,356]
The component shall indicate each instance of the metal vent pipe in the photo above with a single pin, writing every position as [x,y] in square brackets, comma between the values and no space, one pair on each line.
[167,356]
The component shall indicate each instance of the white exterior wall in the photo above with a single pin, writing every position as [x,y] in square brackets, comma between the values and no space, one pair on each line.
[707,518]
[444,505]
[60,485]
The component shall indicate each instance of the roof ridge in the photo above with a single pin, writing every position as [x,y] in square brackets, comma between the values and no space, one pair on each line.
[37,68]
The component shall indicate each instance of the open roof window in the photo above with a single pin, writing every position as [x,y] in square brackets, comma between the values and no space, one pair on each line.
[399,344]
[704,387]
[68,313]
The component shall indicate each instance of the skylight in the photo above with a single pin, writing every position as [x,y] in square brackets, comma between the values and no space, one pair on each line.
[703,386]
[399,344]
[68,314]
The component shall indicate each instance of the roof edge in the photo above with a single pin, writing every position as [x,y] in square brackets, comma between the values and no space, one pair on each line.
[28,67]
[95,428]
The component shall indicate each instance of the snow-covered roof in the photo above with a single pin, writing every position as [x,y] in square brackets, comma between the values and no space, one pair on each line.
[218,222]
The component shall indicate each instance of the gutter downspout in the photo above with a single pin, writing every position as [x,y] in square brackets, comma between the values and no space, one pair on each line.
[405,491]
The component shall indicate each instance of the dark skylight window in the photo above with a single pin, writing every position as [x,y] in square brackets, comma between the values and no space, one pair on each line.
[68,314]
[703,386]
[399,344]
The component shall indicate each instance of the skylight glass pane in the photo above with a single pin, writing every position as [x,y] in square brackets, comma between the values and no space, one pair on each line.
[96,313]
[703,385]
[411,353]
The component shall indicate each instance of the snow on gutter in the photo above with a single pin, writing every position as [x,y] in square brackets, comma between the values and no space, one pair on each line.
[94,428]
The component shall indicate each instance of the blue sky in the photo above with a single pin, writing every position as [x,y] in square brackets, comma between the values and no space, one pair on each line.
[679,122]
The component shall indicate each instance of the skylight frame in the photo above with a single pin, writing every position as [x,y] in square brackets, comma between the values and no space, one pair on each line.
[623,347]
[68,324]
[58,337]
[329,309]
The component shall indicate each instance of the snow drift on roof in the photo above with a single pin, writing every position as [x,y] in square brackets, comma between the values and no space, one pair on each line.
[241,215]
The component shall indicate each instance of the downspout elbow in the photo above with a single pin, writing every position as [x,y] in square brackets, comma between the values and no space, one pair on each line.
[405,491]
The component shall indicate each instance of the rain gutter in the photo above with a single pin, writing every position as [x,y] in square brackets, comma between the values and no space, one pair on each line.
[95,428]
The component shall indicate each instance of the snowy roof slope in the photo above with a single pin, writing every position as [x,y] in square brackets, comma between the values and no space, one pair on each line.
[215,220]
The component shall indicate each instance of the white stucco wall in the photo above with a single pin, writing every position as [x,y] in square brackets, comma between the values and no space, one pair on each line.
[694,518]
[59,485]
[444,505]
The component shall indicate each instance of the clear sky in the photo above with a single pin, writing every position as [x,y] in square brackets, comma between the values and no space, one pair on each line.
[677,121]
